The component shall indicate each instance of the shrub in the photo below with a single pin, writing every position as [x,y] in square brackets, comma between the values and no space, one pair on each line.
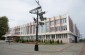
[44,41]
[26,40]
[17,40]
[57,41]
[39,40]
[50,42]
[22,41]
[61,42]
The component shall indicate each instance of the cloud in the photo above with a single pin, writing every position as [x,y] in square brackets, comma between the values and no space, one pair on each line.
[18,10]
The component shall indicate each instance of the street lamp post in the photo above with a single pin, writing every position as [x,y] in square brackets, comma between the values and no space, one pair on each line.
[36,48]
[39,13]
[36,11]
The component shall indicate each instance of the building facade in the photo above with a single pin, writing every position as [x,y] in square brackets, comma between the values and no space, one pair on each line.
[56,28]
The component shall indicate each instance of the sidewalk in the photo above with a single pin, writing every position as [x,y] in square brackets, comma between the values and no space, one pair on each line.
[28,49]
[42,48]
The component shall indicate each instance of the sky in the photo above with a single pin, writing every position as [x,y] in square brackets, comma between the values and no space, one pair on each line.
[17,11]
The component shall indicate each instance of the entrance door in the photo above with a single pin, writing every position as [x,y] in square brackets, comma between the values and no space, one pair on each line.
[75,39]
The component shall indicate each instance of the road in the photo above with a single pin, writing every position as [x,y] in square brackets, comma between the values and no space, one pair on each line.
[28,49]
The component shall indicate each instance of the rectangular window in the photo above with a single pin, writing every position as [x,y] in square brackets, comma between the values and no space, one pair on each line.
[58,21]
[30,29]
[34,29]
[47,36]
[58,28]
[47,23]
[64,27]
[52,29]
[47,27]
[53,36]
[65,35]
[60,35]
[39,28]
[51,22]
[27,29]
[63,20]
[44,28]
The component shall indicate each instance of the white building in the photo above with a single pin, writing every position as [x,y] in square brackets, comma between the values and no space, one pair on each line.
[56,28]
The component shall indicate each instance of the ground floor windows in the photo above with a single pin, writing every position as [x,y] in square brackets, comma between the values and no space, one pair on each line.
[47,36]
[61,35]
[51,36]
[64,37]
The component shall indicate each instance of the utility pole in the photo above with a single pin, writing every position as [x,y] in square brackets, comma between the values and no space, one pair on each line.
[36,43]
[39,14]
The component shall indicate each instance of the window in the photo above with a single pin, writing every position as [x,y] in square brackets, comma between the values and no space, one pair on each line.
[64,20]
[39,28]
[64,35]
[30,29]
[47,23]
[51,22]
[27,29]
[60,35]
[40,37]
[47,36]
[56,36]
[43,36]
[58,28]
[34,28]
[52,29]
[47,27]
[58,21]
[44,28]
[53,36]
[64,27]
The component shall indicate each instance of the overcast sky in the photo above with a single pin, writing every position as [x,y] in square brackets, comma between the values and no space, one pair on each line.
[17,11]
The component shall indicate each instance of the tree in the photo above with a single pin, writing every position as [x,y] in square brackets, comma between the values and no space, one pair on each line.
[3,26]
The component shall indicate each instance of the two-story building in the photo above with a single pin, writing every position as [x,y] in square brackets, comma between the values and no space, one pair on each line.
[56,28]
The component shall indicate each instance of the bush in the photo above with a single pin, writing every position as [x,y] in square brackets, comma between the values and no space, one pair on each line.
[61,42]
[39,40]
[26,40]
[22,41]
[57,41]
[17,40]
[50,42]
[44,41]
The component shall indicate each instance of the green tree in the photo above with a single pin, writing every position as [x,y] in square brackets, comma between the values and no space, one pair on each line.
[3,26]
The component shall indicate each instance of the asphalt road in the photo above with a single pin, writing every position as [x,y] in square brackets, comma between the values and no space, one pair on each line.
[28,49]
